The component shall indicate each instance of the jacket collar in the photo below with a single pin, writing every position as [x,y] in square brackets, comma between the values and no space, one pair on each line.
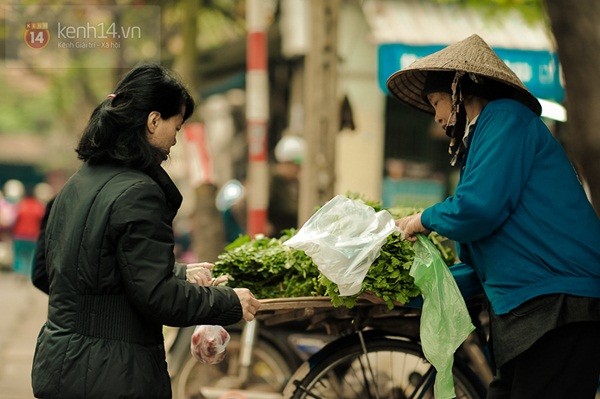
[162,178]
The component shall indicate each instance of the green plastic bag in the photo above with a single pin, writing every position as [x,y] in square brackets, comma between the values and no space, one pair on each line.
[445,320]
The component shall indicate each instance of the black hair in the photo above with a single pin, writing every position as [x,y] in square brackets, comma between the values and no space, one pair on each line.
[437,81]
[116,130]
[470,84]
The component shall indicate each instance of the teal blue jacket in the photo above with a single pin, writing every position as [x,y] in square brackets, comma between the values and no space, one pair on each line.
[520,213]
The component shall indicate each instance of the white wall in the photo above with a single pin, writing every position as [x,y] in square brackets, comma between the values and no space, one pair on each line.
[359,153]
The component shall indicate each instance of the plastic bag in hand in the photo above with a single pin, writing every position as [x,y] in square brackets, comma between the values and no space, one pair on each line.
[208,343]
[445,320]
[343,238]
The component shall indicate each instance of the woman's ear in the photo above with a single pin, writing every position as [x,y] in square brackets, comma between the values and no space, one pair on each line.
[152,122]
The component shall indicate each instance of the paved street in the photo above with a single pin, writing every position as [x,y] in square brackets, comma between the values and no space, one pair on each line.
[22,312]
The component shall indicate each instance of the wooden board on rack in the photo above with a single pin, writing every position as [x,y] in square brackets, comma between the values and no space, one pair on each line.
[273,304]
[309,310]
[275,311]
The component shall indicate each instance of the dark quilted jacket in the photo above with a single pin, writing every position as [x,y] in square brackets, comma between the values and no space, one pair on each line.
[109,253]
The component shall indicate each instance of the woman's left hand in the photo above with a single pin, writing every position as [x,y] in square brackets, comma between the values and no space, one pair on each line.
[201,274]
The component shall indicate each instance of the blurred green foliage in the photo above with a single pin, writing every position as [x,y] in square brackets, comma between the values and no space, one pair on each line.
[23,112]
[532,10]
[44,101]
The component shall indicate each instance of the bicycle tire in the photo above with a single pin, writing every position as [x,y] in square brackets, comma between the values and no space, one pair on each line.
[395,368]
[269,371]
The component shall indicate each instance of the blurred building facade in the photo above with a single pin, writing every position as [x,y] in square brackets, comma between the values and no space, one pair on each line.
[374,39]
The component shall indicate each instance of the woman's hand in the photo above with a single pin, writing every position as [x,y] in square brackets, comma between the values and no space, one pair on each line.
[201,274]
[410,226]
[250,304]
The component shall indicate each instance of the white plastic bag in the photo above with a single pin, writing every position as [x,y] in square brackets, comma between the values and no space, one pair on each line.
[208,343]
[343,238]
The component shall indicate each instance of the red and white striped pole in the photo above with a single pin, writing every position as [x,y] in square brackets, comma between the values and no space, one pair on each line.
[257,117]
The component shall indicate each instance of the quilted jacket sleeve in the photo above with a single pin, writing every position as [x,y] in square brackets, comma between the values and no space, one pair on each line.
[179,270]
[142,222]
[39,274]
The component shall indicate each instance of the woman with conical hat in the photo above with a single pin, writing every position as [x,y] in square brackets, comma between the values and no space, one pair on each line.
[520,217]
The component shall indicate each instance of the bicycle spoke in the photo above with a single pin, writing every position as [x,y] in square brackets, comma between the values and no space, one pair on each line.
[423,384]
[371,374]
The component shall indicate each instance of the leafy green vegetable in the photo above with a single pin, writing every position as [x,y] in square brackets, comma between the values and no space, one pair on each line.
[272,270]
[268,268]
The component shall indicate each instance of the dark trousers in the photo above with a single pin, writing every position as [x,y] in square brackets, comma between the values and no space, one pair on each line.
[562,364]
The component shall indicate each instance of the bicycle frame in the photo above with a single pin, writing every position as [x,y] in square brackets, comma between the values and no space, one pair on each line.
[401,323]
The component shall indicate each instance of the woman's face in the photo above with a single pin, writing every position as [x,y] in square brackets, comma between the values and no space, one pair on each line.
[162,133]
[442,104]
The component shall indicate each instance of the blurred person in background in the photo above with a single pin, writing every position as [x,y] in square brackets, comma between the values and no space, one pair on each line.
[13,191]
[109,249]
[410,184]
[43,192]
[284,188]
[521,218]
[7,219]
[25,231]
[394,173]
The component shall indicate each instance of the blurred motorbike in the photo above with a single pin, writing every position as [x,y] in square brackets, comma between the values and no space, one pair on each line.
[259,362]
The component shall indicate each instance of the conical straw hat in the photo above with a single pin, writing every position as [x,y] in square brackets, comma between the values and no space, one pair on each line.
[471,55]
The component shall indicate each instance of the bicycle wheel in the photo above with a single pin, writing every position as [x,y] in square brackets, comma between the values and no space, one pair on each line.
[269,372]
[391,368]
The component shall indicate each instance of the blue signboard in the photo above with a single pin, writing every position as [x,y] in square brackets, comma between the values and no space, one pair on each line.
[537,69]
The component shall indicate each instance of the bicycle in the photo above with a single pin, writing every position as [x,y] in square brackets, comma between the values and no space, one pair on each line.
[378,353]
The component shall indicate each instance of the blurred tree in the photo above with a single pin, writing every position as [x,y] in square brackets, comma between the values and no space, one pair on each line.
[54,96]
[577,32]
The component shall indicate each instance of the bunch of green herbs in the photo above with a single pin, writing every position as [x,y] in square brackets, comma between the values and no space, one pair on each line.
[272,270]
[268,268]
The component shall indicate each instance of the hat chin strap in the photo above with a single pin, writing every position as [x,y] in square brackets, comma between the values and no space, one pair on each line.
[455,129]
[457,122]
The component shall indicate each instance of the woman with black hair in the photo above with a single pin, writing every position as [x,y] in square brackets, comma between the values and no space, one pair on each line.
[113,280]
